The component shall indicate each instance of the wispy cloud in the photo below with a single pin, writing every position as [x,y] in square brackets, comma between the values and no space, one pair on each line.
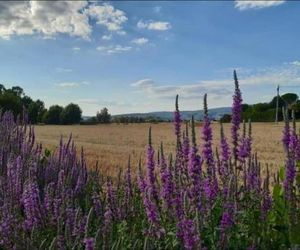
[154,25]
[76,49]
[67,84]
[296,63]
[116,49]
[284,75]
[63,70]
[245,5]
[102,103]
[157,9]
[140,41]
[189,91]
[107,37]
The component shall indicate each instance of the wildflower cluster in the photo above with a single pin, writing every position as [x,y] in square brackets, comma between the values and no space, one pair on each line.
[199,198]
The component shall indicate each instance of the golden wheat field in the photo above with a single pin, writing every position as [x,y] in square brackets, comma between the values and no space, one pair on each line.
[111,144]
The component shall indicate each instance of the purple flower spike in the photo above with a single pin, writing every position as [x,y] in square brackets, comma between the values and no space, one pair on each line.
[226,223]
[207,137]
[177,122]
[150,170]
[290,174]
[236,116]
[225,155]
[31,203]
[166,181]
[186,144]
[286,130]
[188,234]
[89,243]
[207,153]
[195,170]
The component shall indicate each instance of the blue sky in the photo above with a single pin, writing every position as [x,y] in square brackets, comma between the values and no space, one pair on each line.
[136,56]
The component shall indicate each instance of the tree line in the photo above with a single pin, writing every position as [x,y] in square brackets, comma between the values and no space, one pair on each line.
[15,100]
[266,112]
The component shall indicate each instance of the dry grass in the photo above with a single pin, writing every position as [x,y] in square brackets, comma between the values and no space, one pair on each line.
[111,144]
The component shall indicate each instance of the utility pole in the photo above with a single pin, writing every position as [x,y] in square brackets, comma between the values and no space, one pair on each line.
[277,104]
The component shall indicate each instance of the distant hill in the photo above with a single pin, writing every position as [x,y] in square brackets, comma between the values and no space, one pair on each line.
[215,113]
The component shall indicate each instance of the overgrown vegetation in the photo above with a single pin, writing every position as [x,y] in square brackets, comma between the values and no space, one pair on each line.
[196,199]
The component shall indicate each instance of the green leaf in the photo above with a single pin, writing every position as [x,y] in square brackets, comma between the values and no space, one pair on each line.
[282,173]
[276,191]
[295,233]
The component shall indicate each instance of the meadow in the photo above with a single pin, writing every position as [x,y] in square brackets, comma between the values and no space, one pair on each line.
[111,144]
[196,199]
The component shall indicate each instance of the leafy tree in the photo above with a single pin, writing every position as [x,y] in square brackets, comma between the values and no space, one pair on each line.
[36,111]
[273,103]
[18,91]
[26,101]
[9,101]
[89,121]
[2,89]
[103,116]
[290,99]
[261,107]
[52,116]
[71,114]
[225,118]
[245,107]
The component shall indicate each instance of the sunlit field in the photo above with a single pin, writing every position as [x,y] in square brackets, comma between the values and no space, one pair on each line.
[111,144]
[144,125]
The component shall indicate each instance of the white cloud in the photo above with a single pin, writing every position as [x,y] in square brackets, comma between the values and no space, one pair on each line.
[283,75]
[50,18]
[189,91]
[245,5]
[121,32]
[107,37]
[143,83]
[67,84]
[152,25]
[114,49]
[140,41]
[75,49]
[71,84]
[63,70]
[296,63]
[157,9]
[108,16]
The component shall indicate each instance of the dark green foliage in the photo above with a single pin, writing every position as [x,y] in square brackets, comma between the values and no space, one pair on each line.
[9,101]
[289,98]
[89,121]
[26,101]
[136,119]
[103,116]
[266,112]
[52,116]
[36,110]
[18,91]
[225,118]
[71,114]
[15,100]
